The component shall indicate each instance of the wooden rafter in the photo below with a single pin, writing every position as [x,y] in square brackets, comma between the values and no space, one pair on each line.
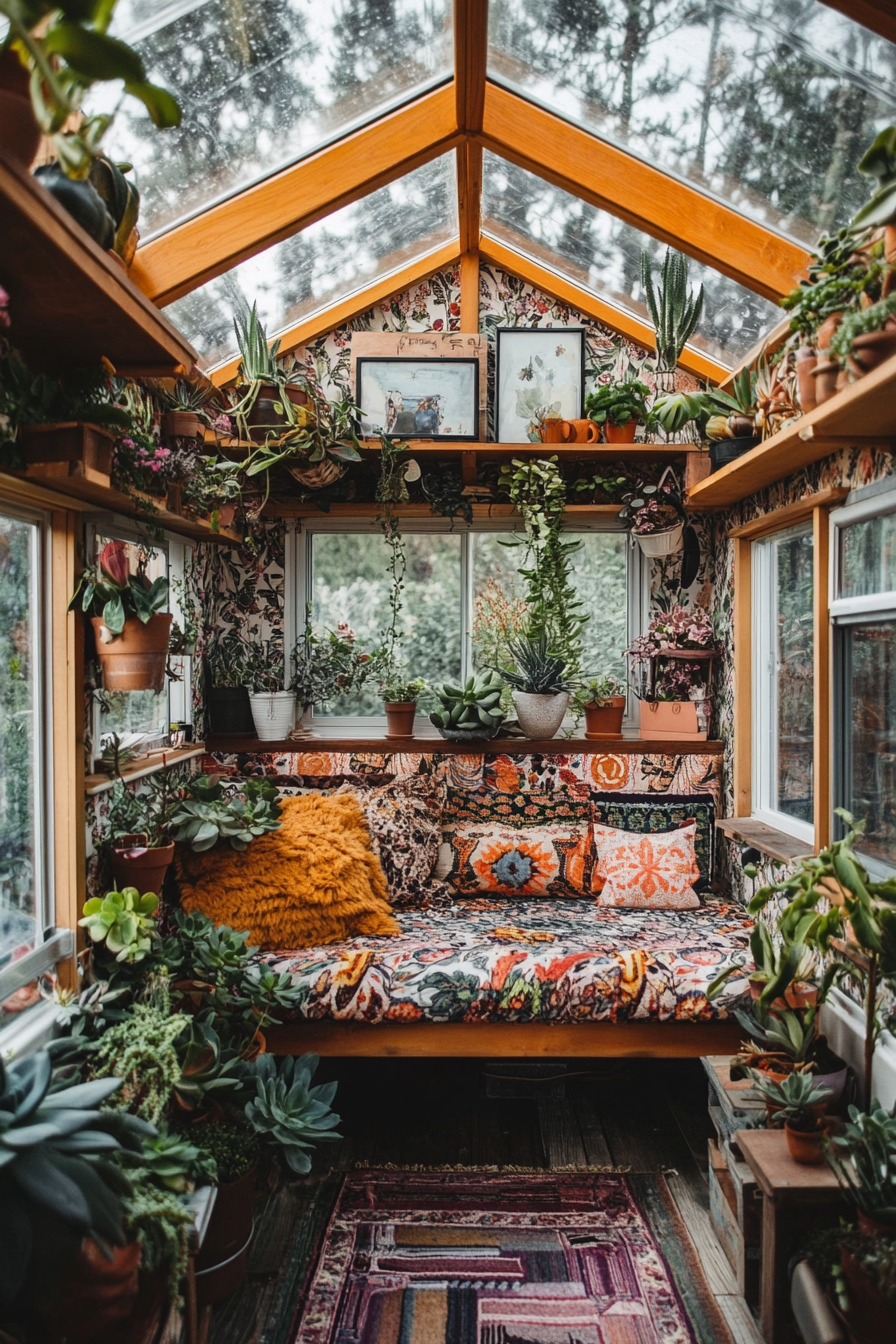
[878,15]
[470,57]
[660,205]
[280,206]
[591,305]
[469,192]
[327,318]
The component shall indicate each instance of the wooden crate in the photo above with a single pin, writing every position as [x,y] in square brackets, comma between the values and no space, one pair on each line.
[748,1196]
[731,1105]
[743,1256]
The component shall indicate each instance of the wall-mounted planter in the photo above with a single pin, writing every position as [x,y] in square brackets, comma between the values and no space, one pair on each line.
[670,719]
[136,659]
[68,449]
[655,545]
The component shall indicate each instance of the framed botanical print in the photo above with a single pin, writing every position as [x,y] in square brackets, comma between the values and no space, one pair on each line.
[540,370]
[411,398]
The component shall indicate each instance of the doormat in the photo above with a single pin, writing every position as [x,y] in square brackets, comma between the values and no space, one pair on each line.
[447,1257]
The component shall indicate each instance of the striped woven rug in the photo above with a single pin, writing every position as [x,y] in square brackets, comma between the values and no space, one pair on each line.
[448,1257]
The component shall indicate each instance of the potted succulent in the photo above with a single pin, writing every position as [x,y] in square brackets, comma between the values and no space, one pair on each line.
[184,408]
[203,815]
[863,1159]
[267,403]
[131,630]
[400,698]
[603,701]
[797,1104]
[222,1261]
[619,408]
[541,685]
[655,516]
[472,712]
[672,679]
[866,337]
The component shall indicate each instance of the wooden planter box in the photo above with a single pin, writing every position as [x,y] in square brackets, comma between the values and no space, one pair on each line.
[66,450]
[670,719]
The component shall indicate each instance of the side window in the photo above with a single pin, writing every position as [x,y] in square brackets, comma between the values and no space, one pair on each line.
[783,675]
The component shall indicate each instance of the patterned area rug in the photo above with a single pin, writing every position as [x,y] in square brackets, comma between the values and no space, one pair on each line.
[491,1258]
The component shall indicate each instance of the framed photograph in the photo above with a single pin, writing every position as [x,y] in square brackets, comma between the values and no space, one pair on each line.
[538,369]
[419,398]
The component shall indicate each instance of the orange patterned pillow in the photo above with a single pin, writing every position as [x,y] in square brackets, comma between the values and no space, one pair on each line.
[653,871]
[552,860]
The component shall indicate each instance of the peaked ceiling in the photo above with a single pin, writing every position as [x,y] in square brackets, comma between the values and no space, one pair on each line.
[526,102]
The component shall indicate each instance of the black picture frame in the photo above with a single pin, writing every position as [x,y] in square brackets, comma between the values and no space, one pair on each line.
[535,336]
[418,423]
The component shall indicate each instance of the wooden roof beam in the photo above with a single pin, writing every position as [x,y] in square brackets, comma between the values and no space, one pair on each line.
[278,207]
[630,189]
[592,306]
[319,323]
[878,15]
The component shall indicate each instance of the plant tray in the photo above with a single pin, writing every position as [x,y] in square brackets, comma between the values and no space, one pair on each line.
[68,449]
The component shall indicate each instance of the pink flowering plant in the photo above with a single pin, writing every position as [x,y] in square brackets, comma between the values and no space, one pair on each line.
[141,463]
[331,664]
[680,628]
[109,589]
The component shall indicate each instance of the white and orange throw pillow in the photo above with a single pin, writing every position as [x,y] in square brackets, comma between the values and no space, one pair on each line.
[646,871]
[552,860]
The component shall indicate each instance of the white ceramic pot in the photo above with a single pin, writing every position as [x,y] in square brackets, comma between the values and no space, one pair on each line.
[540,715]
[656,544]
[274,713]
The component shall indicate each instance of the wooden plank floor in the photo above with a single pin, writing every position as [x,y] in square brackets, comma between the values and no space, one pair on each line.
[649,1114]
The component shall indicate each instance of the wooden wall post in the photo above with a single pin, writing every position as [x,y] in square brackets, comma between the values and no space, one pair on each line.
[821,690]
[67,741]
[469,293]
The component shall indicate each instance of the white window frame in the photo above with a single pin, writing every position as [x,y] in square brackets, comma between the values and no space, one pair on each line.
[50,946]
[878,501]
[764,683]
[298,589]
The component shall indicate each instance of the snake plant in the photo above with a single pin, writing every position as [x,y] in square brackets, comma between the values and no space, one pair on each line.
[673,310]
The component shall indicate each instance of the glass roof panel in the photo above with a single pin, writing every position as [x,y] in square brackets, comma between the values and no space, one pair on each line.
[602,254]
[329,261]
[764,104]
[263,83]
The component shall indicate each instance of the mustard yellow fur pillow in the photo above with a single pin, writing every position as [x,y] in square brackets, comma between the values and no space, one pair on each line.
[316,880]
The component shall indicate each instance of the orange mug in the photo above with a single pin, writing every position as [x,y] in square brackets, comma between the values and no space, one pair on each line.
[555,430]
[584,431]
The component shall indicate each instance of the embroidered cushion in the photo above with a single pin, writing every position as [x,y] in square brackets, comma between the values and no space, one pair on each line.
[515,861]
[404,818]
[646,870]
[647,812]
[518,809]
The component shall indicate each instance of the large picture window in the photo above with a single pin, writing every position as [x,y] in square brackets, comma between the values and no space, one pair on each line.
[783,679]
[460,584]
[864,615]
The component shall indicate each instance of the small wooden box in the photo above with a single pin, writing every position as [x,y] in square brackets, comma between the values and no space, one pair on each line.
[83,449]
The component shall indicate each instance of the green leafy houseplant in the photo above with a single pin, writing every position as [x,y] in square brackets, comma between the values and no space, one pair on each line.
[797,1101]
[288,1111]
[123,921]
[619,403]
[472,709]
[864,1161]
[598,691]
[110,592]
[877,317]
[206,814]
[674,311]
[326,666]
[397,689]
[67,49]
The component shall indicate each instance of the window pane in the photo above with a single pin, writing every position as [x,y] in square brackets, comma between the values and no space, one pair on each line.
[868,557]
[263,83]
[20,866]
[764,105]
[794,678]
[870,721]
[350,582]
[337,257]
[142,712]
[599,576]
[602,254]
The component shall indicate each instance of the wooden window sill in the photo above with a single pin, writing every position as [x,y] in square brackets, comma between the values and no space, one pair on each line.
[517,746]
[777,844]
[147,765]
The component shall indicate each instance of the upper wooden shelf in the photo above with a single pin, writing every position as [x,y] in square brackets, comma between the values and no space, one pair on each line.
[70,302]
[512,746]
[609,452]
[862,415]
[481,512]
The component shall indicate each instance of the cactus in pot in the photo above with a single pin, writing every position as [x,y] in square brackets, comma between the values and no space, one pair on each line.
[470,712]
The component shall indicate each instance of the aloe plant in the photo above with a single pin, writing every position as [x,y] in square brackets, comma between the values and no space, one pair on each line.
[538,670]
[123,920]
[288,1111]
[673,310]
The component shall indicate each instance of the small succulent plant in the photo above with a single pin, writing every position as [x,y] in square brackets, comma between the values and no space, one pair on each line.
[123,920]
[473,706]
[289,1111]
[537,670]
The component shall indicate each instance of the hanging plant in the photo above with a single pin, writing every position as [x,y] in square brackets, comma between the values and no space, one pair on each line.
[391,489]
[538,491]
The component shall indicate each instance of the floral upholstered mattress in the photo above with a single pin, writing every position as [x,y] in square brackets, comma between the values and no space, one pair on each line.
[494,960]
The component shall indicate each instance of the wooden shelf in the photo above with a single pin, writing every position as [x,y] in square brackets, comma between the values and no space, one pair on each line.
[70,302]
[297,509]
[777,844]
[147,765]
[862,415]
[252,746]
[609,452]
[79,482]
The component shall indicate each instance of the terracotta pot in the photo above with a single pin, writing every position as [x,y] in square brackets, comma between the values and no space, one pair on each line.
[756,987]
[135,660]
[95,1296]
[141,866]
[605,720]
[828,330]
[264,417]
[871,350]
[226,515]
[19,131]
[180,425]
[890,244]
[221,1264]
[554,429]
[804,1146]
[400,715]
[801,994]
[825,373]
[585,431]
[874,1227]
[621,433]
[806,360]
[872,1316]
[843,380]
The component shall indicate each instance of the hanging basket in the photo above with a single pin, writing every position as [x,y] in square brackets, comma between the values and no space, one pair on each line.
[320,475]
[274,713]
[659,544]
[134,660]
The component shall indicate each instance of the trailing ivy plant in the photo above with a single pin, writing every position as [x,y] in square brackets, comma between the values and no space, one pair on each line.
[538,491]
[392,489]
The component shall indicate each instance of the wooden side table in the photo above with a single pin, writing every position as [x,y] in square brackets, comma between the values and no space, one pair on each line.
[795,1198]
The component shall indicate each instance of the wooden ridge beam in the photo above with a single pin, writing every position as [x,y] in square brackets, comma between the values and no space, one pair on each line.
[345,309]
[617,318]
[469,193]
[470,57]
[630,189]
[878,15]
[278,207]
